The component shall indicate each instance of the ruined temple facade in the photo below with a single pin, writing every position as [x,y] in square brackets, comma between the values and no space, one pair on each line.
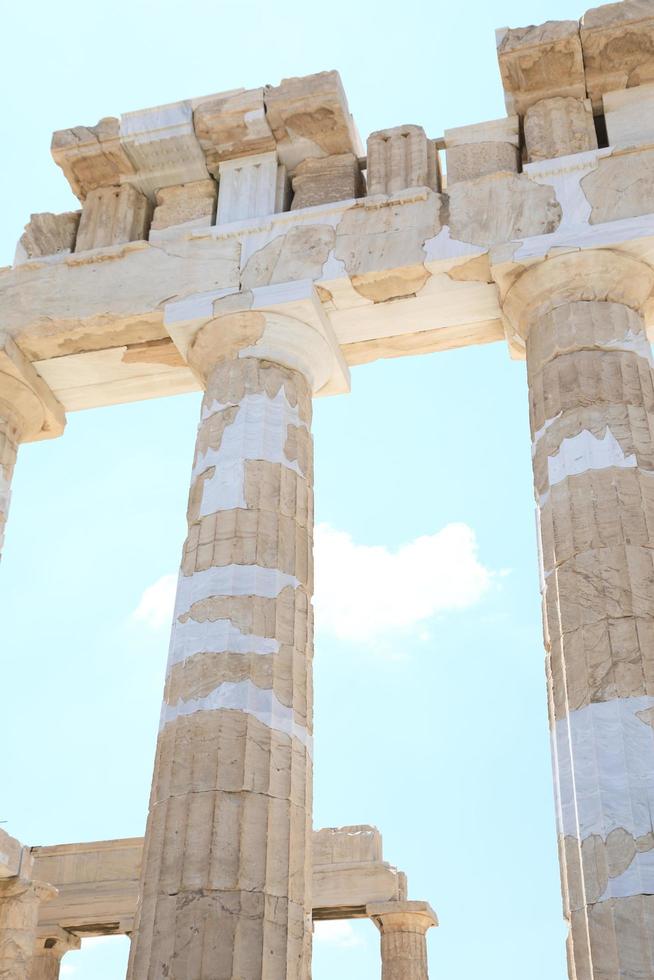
[262,251]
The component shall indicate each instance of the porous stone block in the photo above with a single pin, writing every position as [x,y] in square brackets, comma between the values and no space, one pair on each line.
[192,205]
[111,216]
[618,47]
[232,124]
[319,180]
[471,160]
[309,117]
[49,234]
[558,127]
[91,156]
[163,147]
[399,158]
[629,115]
[502,207]
[540,62]
[250,187]
[622,186]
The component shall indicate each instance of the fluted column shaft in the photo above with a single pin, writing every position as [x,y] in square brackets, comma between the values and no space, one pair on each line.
[591,392]
[9,436]
[19,912]
[403,938]
[225,891]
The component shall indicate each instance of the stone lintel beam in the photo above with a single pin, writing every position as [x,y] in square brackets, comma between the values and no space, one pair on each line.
[25,397]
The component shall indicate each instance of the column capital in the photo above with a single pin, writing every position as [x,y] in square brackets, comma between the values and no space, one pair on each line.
[595,275]
[17,887]
[282,323]
[56,941]
[402,916]
[25,399]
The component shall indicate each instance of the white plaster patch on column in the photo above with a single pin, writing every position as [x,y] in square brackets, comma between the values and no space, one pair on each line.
[634,343]
[538,435]
[259,432]
[231,580]
[217,636]
[607,778]
[638,879]
[583,452]
[564,785]
[245,696]
[214,408]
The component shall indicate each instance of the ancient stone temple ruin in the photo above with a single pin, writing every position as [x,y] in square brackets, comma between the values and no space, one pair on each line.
[247,244]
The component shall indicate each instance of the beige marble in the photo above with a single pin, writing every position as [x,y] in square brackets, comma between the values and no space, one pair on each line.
[399,158]
[112,216]
[48,234]
[191,205]
[51,947]
[558,127]
[629,115]
[403,927]
[618,46]
[19,910]
[540,62]
[320,180]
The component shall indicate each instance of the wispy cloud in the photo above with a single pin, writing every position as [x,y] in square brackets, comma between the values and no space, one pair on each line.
[337,932]
[155,607]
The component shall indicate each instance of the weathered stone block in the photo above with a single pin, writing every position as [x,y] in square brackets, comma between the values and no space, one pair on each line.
[558,127]
[502,208]
[622,186]
[618,46]
[163,147]
[112,215]
[192,205]
[629,115]
[231,125]
[250,187]
[320,180]
[540,63]
[49,234]
[309,117]
[471,160]
[91,156]
[399,158]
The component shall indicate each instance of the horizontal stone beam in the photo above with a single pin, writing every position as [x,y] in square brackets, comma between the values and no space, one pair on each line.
[98,881]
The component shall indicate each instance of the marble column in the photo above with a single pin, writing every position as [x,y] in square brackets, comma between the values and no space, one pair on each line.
[19,911]
[9,436]
[403,938]
[591,395]
[52,944]
[225,888]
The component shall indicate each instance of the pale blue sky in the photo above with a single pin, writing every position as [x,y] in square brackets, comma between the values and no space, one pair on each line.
[434,729]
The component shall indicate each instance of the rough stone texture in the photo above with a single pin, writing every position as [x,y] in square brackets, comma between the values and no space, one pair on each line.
[185,204]
[622,186]
[502,208]
[232,125]
[226,871]
[49,234]
[372,238]
[403,927]
[91,156]
[618,46]
[111,216]
[300,253]
[319,180]
[591,394]
[558,127]
[471,160]
[629,115]
[309,117]
[51,946]
[540,62]
[399,158]
[19,910]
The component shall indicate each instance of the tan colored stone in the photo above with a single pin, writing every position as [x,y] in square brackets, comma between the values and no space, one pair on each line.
[19,910]
[502,207]
[320,180]
[403,927]
[471,160]
[622,186]
[91,156]
[193,205]
[618,46]
[399,158]
[112,215]
[232,124]
[540,63]
[50,234]
[558,127]
[228,334]
[51,946]
[309,117]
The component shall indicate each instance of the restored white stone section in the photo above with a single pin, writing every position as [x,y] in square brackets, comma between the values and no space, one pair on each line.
[215,636]
[250,187]
[638,879]
[605,760]
[163,147]
[585,452]
[242,696]
[538,435]
[259,431]
[231,580]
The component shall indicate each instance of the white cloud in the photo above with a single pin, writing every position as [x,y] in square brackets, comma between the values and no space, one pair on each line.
[156,605]
[363,591]
[337,932]
[67,970]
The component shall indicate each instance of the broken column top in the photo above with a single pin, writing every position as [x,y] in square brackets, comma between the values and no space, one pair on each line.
[186,141]
[611,48]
